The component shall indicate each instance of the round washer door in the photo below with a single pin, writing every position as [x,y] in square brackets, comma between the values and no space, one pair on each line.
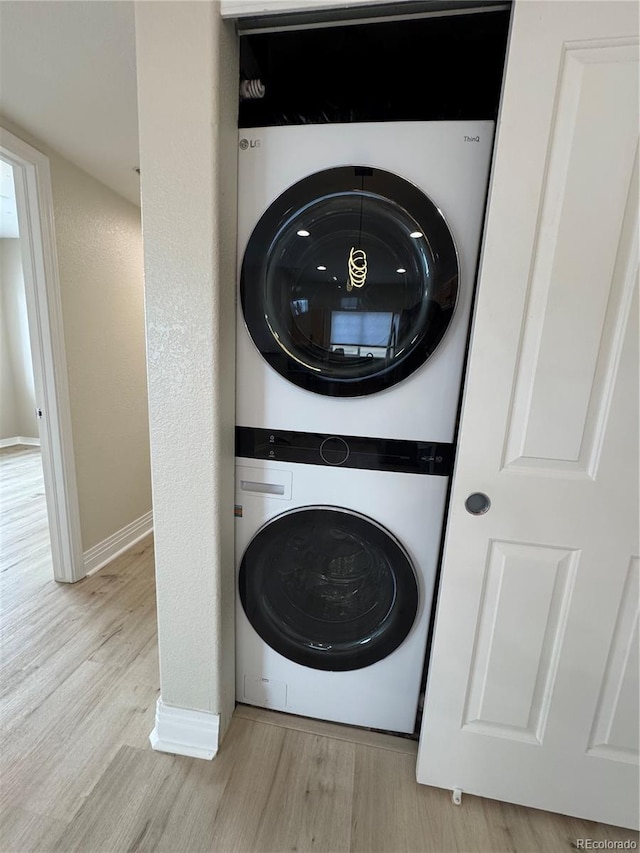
[349,281]
[328,588]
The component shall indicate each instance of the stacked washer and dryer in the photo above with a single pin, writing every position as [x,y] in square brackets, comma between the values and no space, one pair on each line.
[358,246]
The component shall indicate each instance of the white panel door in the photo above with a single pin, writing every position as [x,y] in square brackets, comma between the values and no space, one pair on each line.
[532,695]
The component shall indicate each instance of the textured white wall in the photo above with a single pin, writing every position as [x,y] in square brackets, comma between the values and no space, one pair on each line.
[100,261]
[99,249]
[99,241]
[17,392]
[187,108]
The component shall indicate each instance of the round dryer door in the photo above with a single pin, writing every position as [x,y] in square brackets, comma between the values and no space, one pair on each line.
[328,588]
[349,281]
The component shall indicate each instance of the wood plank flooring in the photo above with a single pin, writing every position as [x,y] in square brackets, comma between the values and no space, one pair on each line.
[78,692]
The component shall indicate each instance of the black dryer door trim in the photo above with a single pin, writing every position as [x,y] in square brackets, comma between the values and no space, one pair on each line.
[349,281]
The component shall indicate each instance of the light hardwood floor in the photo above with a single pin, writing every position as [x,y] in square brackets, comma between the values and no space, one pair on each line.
[78,690]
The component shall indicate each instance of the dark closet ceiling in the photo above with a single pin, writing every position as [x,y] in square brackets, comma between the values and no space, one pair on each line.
[429,68]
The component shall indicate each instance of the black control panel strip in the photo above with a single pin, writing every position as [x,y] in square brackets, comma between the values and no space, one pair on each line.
[345,451]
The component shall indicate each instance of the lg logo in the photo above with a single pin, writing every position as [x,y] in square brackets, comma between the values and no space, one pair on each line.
[249,143]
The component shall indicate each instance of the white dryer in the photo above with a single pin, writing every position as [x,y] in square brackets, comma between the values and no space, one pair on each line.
[358,247]
[337,543]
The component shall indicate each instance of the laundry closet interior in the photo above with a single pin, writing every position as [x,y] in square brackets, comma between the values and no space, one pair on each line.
[364,151]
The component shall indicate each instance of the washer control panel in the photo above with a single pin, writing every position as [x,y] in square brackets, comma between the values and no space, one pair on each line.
[347,451]
[334,450]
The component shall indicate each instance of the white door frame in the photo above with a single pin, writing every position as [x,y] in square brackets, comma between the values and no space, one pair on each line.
[34,200]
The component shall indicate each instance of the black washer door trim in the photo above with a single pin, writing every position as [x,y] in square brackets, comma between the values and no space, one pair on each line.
[328,588]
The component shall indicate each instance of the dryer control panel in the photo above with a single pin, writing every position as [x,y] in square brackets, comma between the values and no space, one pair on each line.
[347,451]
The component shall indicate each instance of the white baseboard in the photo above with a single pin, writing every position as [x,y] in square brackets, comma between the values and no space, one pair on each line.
[19,439]
[111,547]
[182,731]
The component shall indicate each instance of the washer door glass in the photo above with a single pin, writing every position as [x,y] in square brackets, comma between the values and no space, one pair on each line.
[349,281]
[328,589]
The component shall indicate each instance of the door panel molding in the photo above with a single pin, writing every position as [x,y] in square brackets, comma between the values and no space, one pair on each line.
[615,729]
[521,623]
[556,404]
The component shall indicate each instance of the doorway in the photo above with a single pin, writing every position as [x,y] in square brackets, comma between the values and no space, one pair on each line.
[26,544]
[34,209]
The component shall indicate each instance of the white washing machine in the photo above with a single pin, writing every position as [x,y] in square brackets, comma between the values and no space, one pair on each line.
[336,549]
[358,247]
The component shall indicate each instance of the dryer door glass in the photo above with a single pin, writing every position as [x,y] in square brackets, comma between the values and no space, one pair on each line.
[349,281]
[328,589]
